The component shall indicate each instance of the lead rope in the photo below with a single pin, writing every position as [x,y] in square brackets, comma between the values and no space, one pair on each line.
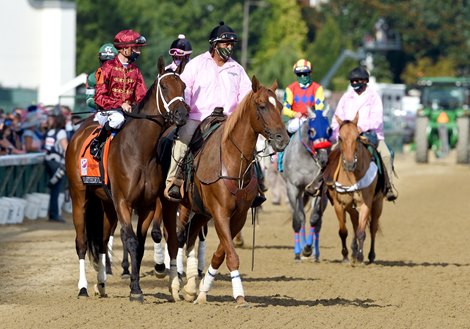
[253,221]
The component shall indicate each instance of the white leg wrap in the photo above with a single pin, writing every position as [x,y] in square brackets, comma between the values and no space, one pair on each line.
[174,284]
[201,256]
[179,261]
[82,282]
[102,269]
[191,264]
[110,248]
[167,257]
[158,253]
[206,282]
[237,284]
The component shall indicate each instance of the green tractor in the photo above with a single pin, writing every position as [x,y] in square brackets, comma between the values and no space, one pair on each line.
[443,120]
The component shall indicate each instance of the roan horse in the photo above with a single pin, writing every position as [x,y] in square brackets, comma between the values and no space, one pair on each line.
[225,184]
[356,188]
[304,158]
[135,182]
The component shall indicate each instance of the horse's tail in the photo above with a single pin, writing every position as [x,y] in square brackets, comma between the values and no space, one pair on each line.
[94,215]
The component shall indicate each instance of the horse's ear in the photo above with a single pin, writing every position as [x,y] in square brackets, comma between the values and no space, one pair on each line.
[356,118]
[340,122]
[181,67]
[274,86]
[161,65]
[311,113]
[254,84]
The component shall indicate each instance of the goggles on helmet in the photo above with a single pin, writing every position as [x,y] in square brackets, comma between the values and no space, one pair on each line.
[226,37]
[178,52]
[139,41]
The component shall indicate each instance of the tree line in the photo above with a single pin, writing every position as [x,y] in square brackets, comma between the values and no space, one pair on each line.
[434,36]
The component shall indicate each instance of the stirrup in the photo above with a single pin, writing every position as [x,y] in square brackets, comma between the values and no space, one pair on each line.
[173,190]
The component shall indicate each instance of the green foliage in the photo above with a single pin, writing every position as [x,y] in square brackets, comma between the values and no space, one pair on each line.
[283,43]
[280,32]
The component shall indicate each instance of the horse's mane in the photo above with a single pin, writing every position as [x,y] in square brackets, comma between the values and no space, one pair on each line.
[237,115]
[146,97]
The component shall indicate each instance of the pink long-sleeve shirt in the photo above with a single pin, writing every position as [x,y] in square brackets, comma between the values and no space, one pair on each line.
[370,108]
[209,86]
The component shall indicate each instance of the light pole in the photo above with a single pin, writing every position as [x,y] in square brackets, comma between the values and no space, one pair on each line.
[246,22]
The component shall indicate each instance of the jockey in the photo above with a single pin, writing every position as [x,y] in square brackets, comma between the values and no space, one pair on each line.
[301,94]
[180,50]
[119,85]
[367,102]
[105,53]
[213,79]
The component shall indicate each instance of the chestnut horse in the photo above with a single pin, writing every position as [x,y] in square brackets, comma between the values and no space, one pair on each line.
[355,189]
[225,184]
[135,182]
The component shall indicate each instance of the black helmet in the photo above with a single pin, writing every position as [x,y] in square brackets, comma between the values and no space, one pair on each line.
[180,47]
[222,33]
[359,73]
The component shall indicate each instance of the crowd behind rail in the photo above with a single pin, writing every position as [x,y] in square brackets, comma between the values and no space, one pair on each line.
[24,130]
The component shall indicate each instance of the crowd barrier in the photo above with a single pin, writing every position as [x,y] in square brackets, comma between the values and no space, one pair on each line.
[23,188]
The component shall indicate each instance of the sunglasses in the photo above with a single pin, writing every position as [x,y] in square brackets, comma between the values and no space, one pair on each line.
[302,74]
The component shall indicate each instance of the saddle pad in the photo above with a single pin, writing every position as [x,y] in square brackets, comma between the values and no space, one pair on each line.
[209,159]
[90,170]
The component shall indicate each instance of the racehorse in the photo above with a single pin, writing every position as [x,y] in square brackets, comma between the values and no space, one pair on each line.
[356,188]
[225,184]
[304,158]
[135,181]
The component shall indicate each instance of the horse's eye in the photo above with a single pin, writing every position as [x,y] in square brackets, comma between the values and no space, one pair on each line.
[262,107]
[312,132]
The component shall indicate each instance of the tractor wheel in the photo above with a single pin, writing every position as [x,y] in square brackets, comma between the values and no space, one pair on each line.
[463,125]
[421,139]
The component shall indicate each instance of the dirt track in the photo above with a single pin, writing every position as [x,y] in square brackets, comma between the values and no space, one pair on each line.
[421,278]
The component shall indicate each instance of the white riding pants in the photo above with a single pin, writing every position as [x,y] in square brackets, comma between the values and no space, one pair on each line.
[114,117]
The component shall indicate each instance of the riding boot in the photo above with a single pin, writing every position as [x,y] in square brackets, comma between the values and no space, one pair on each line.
[260,198]
[174,192]
[389,192]
[98,141]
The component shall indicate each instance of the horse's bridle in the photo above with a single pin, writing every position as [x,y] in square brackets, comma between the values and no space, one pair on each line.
[159,94]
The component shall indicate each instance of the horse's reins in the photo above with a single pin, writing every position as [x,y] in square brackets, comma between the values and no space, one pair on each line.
[166,105]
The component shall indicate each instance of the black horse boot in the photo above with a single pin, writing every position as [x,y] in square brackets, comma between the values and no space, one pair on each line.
[98,141]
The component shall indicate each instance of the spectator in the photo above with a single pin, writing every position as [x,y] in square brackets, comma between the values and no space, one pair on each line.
[56,145]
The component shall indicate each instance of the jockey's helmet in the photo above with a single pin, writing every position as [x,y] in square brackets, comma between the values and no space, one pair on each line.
[222,33]
[302,66]
[180,47]
[107,52]
[358,73]
[129,38]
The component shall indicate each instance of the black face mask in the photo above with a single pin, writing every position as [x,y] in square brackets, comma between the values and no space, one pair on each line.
[358,86]
[133,57]
[224,53]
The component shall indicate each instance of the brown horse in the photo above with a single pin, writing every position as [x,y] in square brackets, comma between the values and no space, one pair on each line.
[225,184]
[355,189]
[135,182]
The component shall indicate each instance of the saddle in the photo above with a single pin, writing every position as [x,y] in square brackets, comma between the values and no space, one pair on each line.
[94,172]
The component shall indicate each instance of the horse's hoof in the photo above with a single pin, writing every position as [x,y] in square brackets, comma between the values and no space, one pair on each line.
[241,302]
[238,242]
[83,293]
[136,298]
[188,296]
[201,299]
[316,259]
[297,258]
[200,274]
[307,251]
[100,290]
[159,270]
[125,275]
